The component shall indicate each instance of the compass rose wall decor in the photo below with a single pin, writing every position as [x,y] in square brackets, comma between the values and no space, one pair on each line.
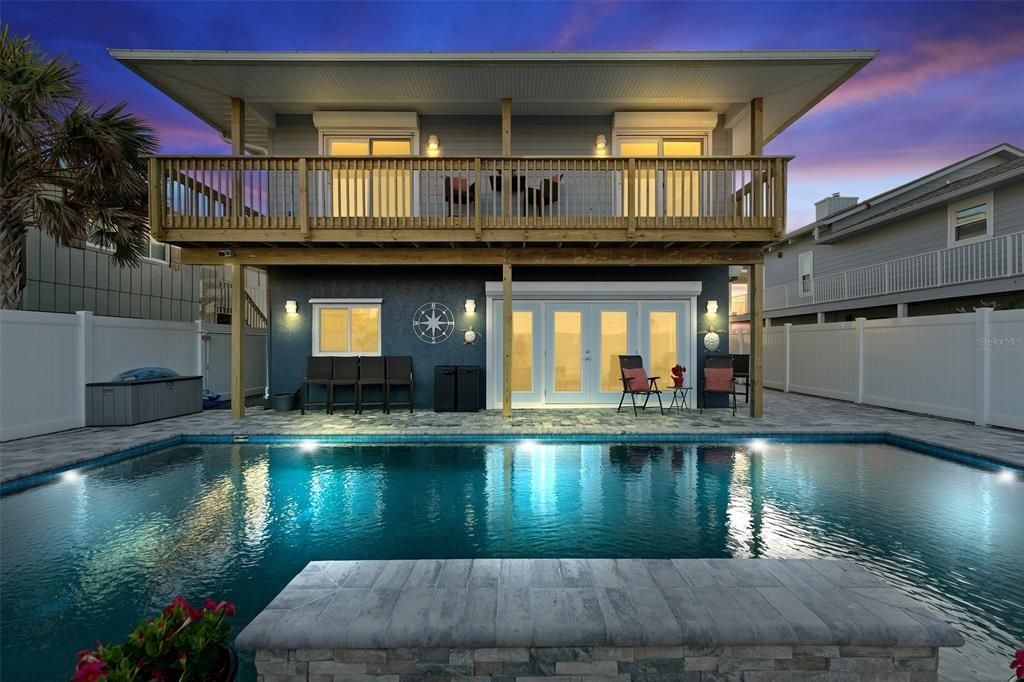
[433,322]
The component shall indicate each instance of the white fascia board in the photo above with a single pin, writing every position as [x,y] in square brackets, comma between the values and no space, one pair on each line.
[597,290]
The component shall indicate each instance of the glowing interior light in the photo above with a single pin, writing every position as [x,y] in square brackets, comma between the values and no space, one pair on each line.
[758,445]
[309,446]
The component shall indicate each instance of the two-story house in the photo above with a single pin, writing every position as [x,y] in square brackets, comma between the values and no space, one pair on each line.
[950,241]
[564,207]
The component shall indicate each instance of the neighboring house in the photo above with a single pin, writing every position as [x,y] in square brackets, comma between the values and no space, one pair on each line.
[66,279]
[566,207]
[950,241]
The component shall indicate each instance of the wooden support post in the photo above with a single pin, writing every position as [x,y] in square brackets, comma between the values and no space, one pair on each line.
[237,126]
[506,126]
[156,194]
[237,340]
[757,127]
[303,199]
[506,151]
[506,340]
[756,294]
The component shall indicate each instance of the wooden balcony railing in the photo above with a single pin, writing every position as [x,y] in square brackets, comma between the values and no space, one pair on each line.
[338,198]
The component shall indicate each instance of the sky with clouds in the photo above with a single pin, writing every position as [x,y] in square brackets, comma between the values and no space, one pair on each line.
[949,80]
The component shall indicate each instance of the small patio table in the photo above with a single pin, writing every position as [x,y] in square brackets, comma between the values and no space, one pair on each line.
[679,397]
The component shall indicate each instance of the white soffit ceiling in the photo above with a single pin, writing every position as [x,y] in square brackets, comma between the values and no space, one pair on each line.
[570,84]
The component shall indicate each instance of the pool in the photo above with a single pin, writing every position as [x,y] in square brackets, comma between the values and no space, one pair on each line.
[89,553]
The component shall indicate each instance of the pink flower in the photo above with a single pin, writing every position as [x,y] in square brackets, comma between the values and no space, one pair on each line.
[89,671]
[1017,664]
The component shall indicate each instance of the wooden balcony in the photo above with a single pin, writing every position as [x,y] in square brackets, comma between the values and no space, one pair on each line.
[277,201]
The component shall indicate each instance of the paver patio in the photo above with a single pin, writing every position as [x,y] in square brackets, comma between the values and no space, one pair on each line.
[784,413]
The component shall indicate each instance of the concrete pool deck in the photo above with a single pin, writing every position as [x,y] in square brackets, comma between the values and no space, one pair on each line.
[625,619]
[785,413]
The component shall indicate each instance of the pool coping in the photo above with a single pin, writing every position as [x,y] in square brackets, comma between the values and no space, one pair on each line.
[93,461]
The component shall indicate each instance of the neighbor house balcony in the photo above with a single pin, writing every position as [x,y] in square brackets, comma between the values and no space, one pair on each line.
[988,259]
[282,200]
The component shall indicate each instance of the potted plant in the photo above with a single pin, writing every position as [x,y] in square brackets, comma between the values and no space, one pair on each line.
[678,375]
[182,644]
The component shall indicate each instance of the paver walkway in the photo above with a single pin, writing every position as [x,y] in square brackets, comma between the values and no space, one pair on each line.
[784,413]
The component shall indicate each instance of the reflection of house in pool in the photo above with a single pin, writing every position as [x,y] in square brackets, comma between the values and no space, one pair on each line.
[634,456]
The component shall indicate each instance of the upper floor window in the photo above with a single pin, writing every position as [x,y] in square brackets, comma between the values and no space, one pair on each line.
[971,219]
[807,273]
[157,251]
[346,326]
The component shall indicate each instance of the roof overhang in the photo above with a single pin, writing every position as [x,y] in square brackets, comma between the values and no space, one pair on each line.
[539,83]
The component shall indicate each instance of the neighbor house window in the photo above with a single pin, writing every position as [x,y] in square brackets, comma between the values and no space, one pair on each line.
[807,273]
[156,251]
[346,326]
[970,219]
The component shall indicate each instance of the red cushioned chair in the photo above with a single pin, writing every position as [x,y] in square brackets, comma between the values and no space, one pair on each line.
[718,379]
[636,382]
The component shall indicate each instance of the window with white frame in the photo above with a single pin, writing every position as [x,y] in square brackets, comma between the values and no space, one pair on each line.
[346,326]
[157,251]
[970,219]
[807,273]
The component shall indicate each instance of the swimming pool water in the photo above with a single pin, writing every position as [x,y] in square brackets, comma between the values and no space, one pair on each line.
[89,554]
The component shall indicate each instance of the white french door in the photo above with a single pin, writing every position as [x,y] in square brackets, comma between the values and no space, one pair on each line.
[567,352]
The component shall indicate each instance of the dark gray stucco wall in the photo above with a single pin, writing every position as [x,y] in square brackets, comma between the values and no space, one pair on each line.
[403,289]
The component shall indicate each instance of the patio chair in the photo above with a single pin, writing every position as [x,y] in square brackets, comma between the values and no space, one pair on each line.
[741,370]
[346,374]
[399,375]
[318,373]
[458,191]
[718,379]
[541,198]
[636,382]
[371,374]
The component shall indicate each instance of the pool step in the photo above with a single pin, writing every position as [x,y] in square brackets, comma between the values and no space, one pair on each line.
[621,618]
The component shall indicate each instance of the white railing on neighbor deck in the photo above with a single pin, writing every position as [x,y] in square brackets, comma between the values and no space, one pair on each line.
[989,259]
[966,366]
[48,358]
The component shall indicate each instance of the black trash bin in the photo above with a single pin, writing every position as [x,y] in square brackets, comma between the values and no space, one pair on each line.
[444,388]
[467,389]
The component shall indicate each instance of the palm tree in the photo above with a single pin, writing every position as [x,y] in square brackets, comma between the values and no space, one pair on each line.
[75,172]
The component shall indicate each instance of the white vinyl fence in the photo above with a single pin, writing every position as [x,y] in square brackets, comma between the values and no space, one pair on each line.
[968,366]
[47,358]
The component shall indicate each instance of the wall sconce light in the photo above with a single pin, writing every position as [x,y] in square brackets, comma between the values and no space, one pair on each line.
[291,307]
[432,144]
[470,306]
[602,143]
[712,307]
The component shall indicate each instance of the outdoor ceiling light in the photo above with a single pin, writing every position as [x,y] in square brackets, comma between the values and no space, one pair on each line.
[470,306]
[291,307]
[602,143]
[712,307]
[432,143]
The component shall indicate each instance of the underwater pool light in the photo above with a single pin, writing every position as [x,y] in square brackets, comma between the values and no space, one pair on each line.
[758,445]
[308,445]
[1007,476]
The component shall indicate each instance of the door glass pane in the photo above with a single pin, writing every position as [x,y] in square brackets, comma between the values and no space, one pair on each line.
[664,345]
[682,189]
[333,330]
[348,185]
[613,343]
[366,330]
[350,148]
[644,183]
[522,350]
[392,186]
[392,148]
[568,342]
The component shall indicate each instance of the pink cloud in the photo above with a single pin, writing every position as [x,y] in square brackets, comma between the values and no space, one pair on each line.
[583,19]
[928,60]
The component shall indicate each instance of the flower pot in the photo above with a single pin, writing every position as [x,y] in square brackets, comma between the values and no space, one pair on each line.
[283,402]
[230,668]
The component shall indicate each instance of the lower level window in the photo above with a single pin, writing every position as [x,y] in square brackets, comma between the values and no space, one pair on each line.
[346,327]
